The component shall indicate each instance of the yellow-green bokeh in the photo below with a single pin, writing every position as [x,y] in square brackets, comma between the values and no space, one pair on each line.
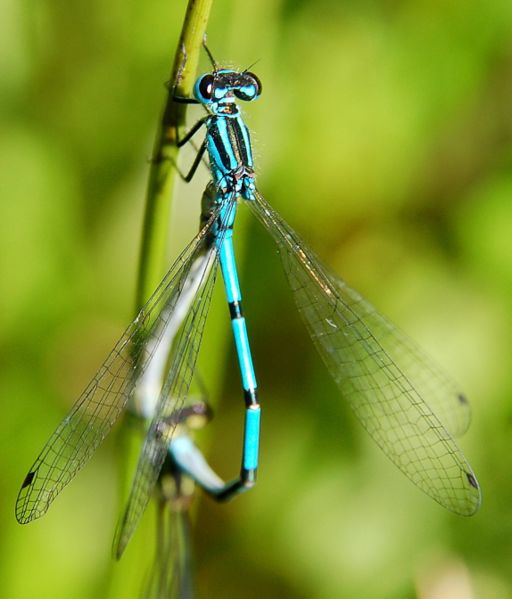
[384,136]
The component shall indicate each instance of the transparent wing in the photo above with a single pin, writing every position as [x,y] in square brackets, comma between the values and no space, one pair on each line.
[442,393]
[98,408]
[172,397]
[171,575]
[364,354]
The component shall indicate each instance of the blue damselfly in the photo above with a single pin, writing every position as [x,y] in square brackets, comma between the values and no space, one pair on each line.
[408,405]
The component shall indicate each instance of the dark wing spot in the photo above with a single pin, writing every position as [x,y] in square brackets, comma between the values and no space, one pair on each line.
[28,479]
[472,480]
[462,398]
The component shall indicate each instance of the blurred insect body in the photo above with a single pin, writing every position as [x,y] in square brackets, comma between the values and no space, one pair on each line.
[171,573]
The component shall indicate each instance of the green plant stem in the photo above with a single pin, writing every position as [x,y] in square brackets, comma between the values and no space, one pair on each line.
[165,153]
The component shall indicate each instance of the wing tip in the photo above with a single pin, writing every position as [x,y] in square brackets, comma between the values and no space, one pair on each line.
[24,515]
[476,494]
[468,505]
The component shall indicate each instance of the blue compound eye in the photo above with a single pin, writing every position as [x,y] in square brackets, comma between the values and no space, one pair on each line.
[204,88]
[251,90]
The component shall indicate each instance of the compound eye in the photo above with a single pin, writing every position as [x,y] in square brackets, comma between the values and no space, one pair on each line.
[204,88]
[250,90]
[257,83]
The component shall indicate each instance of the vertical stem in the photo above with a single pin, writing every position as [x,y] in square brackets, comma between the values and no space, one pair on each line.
[157,212]
[165,153]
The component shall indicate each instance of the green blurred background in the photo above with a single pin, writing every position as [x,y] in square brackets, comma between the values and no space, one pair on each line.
[384,136]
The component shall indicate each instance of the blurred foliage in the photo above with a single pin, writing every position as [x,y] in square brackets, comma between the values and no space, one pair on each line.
[384,135]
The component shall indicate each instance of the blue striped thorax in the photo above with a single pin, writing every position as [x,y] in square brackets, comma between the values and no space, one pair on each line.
[228,141]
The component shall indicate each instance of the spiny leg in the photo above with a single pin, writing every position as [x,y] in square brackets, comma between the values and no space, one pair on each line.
[180,142]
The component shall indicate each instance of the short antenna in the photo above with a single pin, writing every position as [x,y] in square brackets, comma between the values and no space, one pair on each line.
[210,55]
[251,65]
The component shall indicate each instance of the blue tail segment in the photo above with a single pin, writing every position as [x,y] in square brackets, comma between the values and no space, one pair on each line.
[244,353]
[243,350]
[234,297]
[251,437]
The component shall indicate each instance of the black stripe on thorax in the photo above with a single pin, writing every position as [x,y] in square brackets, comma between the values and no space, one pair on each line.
[237,140]
[233,146]
[220,146]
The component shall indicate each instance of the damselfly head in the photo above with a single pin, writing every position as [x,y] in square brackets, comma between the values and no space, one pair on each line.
[227,86]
